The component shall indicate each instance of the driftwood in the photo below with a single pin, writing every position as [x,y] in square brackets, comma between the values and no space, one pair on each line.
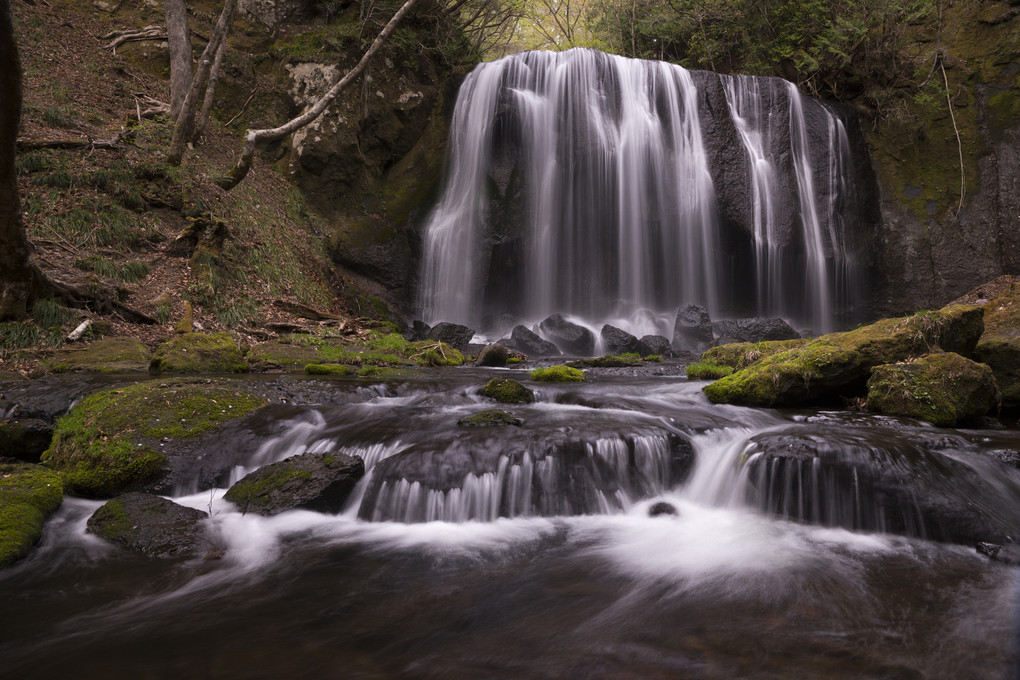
[34,145]
[304,311]
[118,38]
[79,331]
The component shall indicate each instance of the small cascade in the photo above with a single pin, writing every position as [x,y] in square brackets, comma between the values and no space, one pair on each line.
[575,477]
[595,185]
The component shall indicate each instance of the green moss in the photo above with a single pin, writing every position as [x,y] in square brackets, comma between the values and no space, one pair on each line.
[944,389]
[608,361]
[199,353]
[706,370]
[112,522]
[558,374]
[741,354]
[282,353]
[491,418]
[839,363]
[507,391]
[328,369]
[999,346]
[254,491]
[109,355]
[108,442]
[28,495]
[432,353]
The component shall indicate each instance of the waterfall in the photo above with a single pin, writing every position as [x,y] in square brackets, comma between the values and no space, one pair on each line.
[588,184]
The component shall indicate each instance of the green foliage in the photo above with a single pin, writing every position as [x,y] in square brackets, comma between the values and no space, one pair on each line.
[328,369]
[558,374]
[49,313]
[239,312]
[705,370]
[129,272]
[608,361]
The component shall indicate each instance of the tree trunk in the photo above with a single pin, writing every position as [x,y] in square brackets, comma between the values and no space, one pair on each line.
[179,39]
[20,278]
[185,122]
[210,91]
[255,137]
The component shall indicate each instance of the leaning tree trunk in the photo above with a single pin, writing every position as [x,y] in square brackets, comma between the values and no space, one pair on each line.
[20,278]
[256,137]
[179,40]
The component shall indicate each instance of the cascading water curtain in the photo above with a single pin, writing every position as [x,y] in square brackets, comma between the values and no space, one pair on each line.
[579,182]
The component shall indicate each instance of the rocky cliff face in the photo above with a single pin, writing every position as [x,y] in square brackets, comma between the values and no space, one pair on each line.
[933,245]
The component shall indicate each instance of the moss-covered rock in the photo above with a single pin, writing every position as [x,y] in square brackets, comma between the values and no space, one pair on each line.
[109,355]
[945,389]
[739,355]
[609,361]
[558,374]
[706,370]
[493,355]
[999,346]
[199,353]
[331,369]
[283,354]
[507,391]
[151,525]
[109,441]
[839,364]
[491,418]
[314,481]
[28,495]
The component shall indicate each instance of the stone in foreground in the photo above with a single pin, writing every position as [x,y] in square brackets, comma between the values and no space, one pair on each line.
[150,525]
[311,481]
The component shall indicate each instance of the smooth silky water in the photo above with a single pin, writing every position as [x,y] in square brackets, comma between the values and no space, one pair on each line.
[514,585]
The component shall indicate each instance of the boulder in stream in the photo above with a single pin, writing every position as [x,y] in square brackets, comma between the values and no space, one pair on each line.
[657,344]
[838,364]
[507,391]
[944,389]
[493,355]
[692,332]
[312,481]
[530,343]
[151,525]
[453,334]
[572,339]
[753,330]
[618,341]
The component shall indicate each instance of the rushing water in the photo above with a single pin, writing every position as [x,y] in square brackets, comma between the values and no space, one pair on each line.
[546,563]
[586,184]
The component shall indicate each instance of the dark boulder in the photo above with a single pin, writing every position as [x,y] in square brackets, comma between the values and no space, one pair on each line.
[151,525]
[618,341]
[662,508]
[418,331]
[692,333]
[24,439]
[312,481]
[657,344]
[493,417]
[753,330]
[453,334]
[530,343]
[999,346]
[903,484]
[571,338]
[492,355]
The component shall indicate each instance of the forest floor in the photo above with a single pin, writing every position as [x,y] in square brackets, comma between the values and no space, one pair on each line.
[121,222]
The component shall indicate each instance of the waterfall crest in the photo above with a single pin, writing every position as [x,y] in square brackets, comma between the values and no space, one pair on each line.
[598,186]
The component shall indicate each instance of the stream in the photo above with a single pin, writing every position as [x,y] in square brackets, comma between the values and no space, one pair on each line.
[804,544]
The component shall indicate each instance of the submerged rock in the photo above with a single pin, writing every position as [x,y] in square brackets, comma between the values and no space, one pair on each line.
[524,340]
[753,330]
[569,337]
[838,364]
[151,525]
[312,481]
[902,485]
[692,332]
[494,417]
[944,389]
[453,334]
[662,508]
[28,495]
[507,391]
